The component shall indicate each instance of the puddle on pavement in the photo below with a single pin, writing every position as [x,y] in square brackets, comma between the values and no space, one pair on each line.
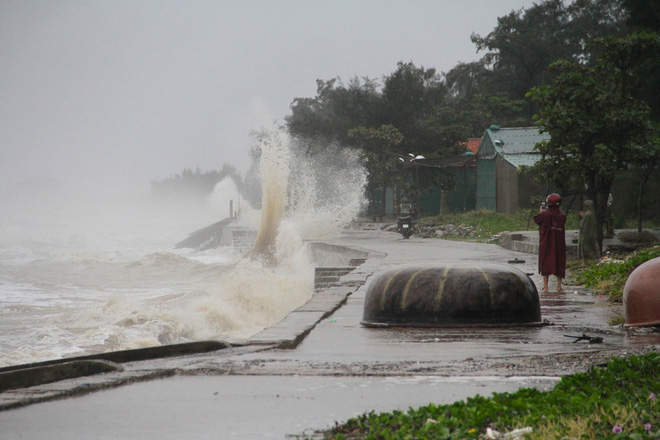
[571,313]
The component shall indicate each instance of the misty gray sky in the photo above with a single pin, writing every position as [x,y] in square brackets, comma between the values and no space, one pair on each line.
[102,94]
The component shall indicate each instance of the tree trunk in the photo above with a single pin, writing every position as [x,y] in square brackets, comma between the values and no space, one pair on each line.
[601,211]
[598,192]
[383,201]
[645,179]
[372,203]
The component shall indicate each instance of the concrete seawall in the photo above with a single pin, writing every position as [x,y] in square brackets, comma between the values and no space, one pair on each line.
[289,332]
[528,242]
[520,242]
[326,254]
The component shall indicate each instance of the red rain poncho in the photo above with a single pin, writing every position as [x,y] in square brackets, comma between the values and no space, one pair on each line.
[552,241]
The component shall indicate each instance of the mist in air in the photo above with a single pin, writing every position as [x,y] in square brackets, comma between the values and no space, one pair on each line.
[100,99]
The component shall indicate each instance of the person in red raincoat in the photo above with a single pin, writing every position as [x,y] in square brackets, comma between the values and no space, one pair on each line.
[552,241]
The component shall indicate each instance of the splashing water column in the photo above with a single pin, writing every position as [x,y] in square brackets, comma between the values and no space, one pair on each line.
[274,167]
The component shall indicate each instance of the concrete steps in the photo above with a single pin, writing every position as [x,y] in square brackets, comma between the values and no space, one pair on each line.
[326,277]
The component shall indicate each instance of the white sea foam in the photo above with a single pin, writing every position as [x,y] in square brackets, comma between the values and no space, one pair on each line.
[225,195]
[76,281]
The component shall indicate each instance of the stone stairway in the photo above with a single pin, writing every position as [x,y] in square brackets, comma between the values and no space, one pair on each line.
[325,277]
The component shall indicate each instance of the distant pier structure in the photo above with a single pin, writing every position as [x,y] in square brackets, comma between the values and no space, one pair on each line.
[223,233]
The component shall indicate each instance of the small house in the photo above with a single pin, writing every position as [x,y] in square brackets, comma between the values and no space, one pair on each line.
[502,154]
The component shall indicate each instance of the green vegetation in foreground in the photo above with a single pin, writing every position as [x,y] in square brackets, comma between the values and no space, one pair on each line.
[485,224]
[614,402]
[609,276]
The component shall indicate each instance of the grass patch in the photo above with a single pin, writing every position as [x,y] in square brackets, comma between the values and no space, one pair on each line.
[485,224]
[613,402]
[609,276]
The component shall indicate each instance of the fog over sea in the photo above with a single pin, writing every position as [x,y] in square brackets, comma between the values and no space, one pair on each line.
[96,273]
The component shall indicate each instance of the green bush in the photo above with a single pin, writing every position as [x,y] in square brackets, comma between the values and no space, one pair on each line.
[610,275]
[614,402]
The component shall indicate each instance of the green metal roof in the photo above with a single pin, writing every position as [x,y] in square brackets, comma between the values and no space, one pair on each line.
[515,145]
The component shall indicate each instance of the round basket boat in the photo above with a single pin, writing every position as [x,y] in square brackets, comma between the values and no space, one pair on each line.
[455,295]
[641,295]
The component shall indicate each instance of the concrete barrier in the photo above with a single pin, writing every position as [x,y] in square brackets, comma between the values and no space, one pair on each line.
[27,377]
[326,254]
[528,242]
[20,376]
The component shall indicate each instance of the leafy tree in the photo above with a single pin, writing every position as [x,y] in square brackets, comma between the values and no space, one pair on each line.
[476,103]
[591,20]
[480,111]
[597,127]
[409,105]
[631,58]
[379,154]
[465,80]
[649,164]
[411,96]
[643,15]
[335,110]
[524,43]
[434,113]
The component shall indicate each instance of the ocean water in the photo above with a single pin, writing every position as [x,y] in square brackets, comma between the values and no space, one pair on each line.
[118,285]
[102,274]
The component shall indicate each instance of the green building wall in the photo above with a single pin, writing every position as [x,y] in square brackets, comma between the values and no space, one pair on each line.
[486,190]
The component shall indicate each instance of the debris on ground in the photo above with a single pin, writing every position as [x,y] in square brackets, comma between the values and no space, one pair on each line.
[584,337]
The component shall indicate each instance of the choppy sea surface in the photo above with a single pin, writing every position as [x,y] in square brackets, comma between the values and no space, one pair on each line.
[81,283]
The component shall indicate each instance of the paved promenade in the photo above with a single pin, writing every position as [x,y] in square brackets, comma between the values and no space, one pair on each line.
[319,365]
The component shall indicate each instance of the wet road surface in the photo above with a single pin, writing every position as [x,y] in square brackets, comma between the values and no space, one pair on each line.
[239,407]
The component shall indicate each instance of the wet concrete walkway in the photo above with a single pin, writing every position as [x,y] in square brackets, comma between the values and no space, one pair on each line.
[319,365]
